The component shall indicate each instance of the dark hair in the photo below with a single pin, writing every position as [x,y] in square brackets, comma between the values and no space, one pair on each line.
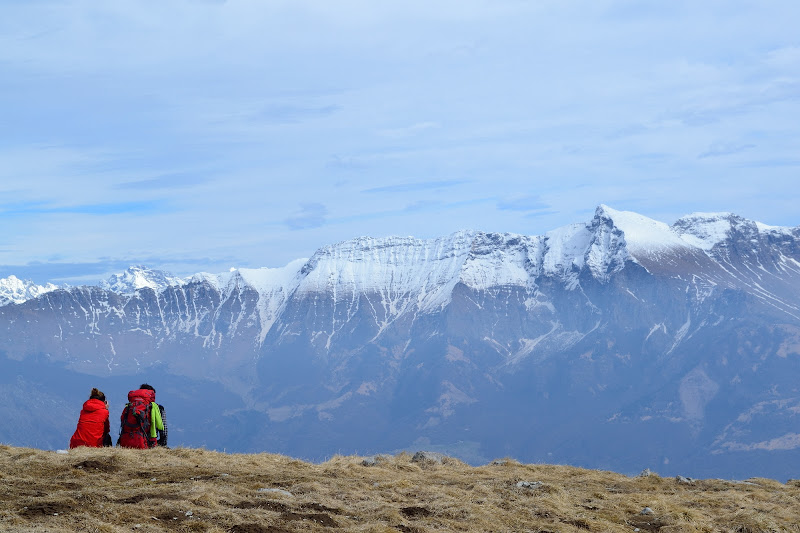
[148,387]
[97,395]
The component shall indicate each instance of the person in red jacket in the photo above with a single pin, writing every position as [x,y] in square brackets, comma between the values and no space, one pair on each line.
[93,429]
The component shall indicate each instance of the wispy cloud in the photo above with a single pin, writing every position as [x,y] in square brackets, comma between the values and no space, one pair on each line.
[630,130]
[166,181]
[522,203]
[409,131]
[43,208]
[774,162]
[310,215]
[787,56]
[722,149]
[750,99]
[423,206]
[537,214]
[289,114]
[416,186]
[17,208]
[338,162]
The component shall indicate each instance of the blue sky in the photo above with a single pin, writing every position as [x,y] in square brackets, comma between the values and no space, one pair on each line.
[203,135]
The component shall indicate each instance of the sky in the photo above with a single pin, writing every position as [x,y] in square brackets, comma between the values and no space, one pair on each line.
[198,136]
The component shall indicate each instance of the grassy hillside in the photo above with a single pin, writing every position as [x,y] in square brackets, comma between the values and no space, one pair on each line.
[110,490]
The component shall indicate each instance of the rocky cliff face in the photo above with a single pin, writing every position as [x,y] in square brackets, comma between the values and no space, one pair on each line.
[621,343]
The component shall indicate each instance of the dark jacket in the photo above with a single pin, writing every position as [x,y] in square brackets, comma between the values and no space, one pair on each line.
[162,435]
[92,425]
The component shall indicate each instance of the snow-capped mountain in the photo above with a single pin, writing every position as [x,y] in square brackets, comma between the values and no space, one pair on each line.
[140,277]
[15,290]
[622,343]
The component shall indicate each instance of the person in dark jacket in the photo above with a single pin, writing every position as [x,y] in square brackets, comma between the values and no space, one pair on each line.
[140,421]
[93,427]
[158,434]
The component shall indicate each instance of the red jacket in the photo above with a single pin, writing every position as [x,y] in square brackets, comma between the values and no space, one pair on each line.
[92,425]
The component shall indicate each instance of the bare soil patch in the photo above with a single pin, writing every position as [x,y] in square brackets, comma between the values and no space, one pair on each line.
[257,528]
[319,518]
[95,464]
[415,512]
[50,508]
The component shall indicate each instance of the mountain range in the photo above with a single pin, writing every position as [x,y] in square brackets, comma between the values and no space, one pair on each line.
[620,343]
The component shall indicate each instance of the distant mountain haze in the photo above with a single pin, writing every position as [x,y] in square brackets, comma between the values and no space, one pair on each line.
[621,343]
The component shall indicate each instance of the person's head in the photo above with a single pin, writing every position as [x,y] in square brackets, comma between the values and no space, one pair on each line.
[97,394]
[147,387]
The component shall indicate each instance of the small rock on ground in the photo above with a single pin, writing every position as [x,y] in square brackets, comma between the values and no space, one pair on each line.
[428,457]
[375,460]
[529,484]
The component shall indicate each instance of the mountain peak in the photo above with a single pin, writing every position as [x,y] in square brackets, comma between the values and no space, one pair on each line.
[641,233]
[706,230]
[140,277]
[15,290]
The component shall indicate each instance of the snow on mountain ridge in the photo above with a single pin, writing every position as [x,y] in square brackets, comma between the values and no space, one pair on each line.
[274,286]
[15,290]
[600,245]
[267,279]
[140,277]
[608,249]
[429,269]
[642,234]
[645,237]
[706,230]
[765,228]
[502,259]
[393,266]
[565,250]
[218,281]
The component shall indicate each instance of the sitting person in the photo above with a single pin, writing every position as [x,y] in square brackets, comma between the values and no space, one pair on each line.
[141,420]
[93,428]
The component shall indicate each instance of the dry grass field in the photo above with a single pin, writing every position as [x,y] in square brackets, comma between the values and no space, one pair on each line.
[110,490]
